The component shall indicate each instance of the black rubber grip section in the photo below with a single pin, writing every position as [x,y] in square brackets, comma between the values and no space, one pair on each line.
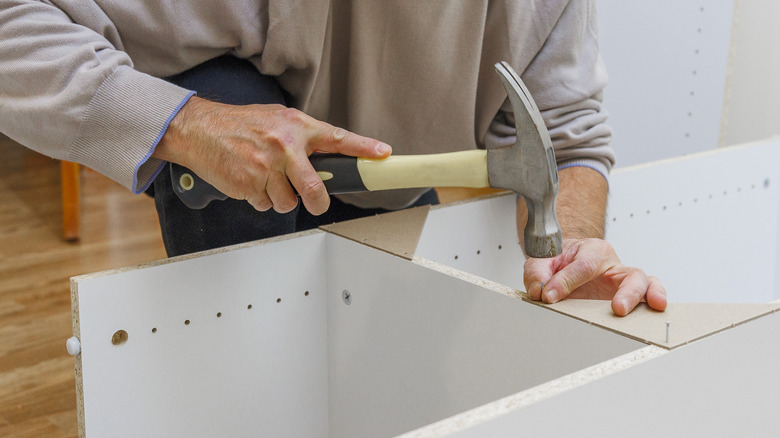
[200,192]
[346,177]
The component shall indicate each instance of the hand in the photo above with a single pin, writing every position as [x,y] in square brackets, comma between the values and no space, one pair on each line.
[255,152]
[590,269]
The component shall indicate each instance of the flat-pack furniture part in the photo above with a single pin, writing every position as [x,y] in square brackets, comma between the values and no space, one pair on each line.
[362,330]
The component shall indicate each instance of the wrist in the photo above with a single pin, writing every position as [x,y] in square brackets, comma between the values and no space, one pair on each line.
[178,137]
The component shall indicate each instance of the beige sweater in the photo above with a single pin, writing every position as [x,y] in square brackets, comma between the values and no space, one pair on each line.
[79,77]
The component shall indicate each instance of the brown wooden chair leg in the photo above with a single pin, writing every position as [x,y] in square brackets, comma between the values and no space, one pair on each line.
[70,199]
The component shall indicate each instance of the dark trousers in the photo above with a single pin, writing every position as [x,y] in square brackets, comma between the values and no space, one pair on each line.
[231,80]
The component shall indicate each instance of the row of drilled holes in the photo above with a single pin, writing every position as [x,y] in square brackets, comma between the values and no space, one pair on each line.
[120,336]
[479,251]
[696,200]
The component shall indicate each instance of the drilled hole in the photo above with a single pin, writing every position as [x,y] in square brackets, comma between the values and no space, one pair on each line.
[499,247]
[456,257]
[306,293]
[479,252]
[154,330]
[119,337]
[187,322]
[249,307]
[278,300]
[219,314]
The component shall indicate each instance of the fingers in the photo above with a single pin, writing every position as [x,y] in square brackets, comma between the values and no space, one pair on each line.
[336,140]
[260,152]
[656,295]
[309,185]
[631,291]
[281,193]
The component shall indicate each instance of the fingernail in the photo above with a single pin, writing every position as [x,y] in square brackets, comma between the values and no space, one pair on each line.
[383,149]
[551,296]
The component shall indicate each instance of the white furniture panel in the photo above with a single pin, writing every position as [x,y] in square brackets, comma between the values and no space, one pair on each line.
[479,238]
[723,386]
[415,346]
[412,347]
[707,225]
[667,63]
[248,372]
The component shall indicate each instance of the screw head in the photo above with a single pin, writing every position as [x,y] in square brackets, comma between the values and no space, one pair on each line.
[347,297]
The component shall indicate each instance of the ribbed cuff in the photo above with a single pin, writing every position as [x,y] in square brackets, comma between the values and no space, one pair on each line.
[596,165]
[123,123]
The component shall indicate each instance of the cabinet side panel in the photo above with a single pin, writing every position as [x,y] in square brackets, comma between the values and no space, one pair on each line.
[228,344]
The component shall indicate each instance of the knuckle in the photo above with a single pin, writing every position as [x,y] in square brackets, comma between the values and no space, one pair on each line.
[338,134]
[311,187]
[292,115]
[286,205]
[568,284]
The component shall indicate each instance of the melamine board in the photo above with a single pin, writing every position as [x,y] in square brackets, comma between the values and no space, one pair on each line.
[198,361]
[706,224]
[416,345]
[723,386]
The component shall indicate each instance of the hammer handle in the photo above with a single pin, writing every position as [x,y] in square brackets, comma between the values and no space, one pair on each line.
[345,174]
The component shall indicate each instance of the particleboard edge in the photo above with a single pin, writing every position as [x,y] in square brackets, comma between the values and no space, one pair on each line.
[79,377]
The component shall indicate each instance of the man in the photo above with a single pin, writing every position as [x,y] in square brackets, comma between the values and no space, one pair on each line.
[81,82]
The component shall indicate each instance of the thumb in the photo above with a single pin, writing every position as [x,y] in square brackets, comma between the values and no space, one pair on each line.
[565,281]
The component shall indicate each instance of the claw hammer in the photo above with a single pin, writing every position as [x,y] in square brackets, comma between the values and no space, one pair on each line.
[527,167]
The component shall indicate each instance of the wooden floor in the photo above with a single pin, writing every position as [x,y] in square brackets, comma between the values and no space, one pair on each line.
[37,388]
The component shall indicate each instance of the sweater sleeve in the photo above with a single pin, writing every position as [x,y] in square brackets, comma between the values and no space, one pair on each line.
[566,79]
[70,92]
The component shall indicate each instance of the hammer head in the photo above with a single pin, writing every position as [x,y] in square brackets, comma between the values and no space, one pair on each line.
[528,168]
